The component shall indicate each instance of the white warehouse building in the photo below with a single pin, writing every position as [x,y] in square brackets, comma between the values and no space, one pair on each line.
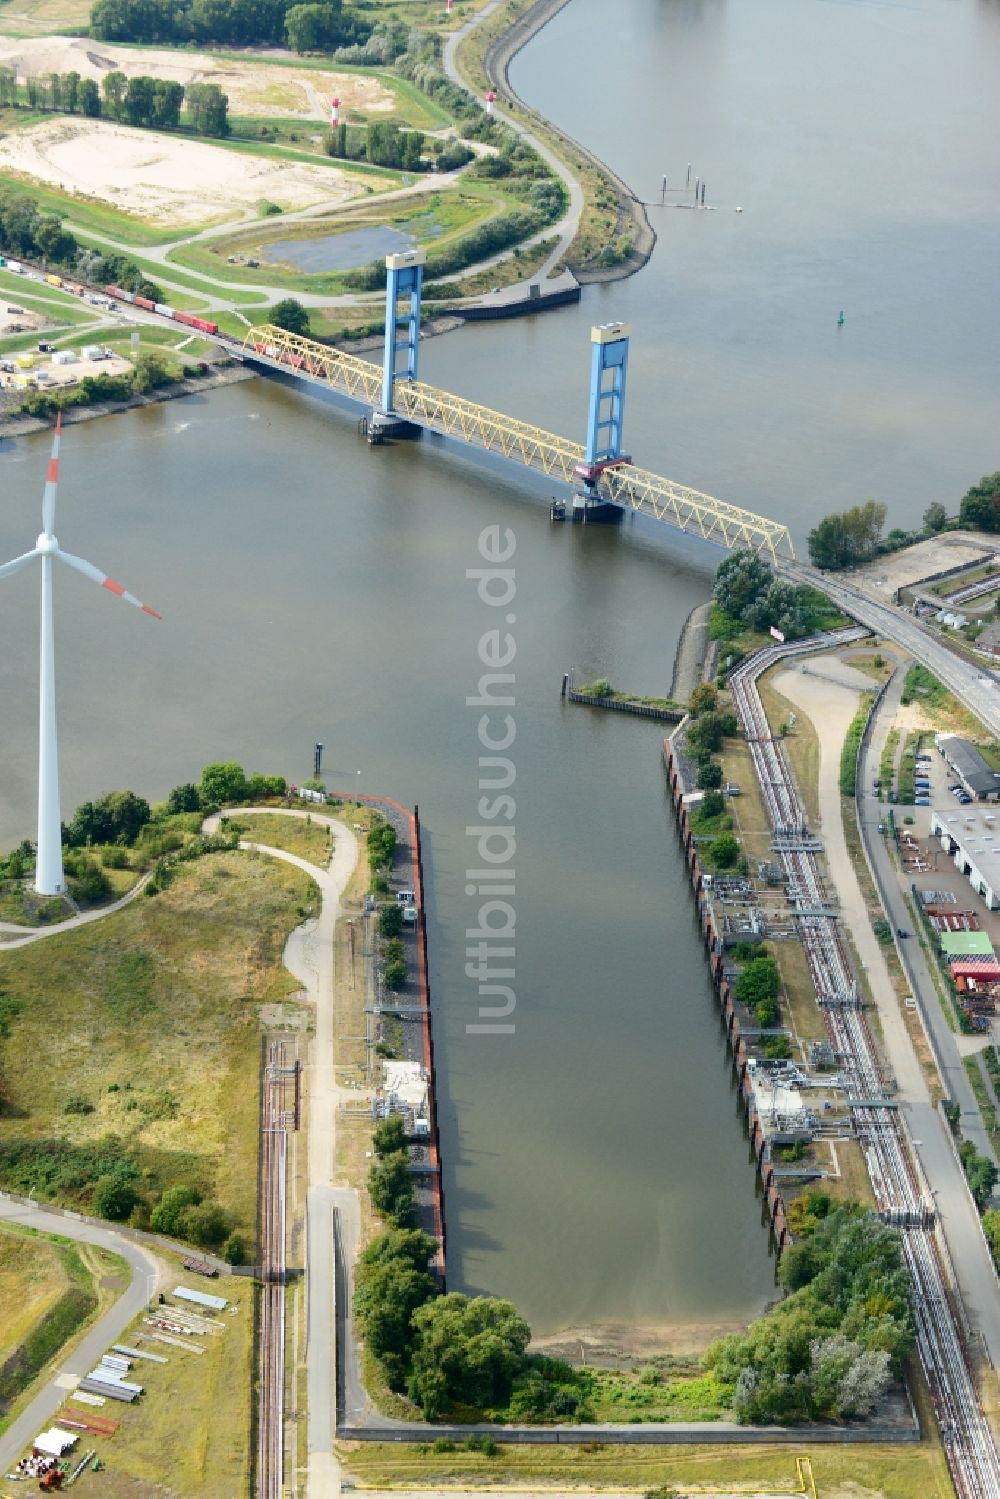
[973,840]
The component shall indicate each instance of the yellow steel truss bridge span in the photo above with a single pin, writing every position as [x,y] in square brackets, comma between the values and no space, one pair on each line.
[438,411]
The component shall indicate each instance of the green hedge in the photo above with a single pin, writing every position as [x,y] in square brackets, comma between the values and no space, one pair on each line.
[852,743]
[44,1340]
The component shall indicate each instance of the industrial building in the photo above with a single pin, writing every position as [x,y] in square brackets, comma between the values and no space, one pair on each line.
[973,840]
[979,779]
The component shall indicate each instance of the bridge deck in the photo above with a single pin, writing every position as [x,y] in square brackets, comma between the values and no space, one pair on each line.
[452,416]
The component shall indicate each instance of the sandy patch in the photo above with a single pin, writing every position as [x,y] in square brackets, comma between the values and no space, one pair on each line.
[253,88]
[162,178]
[19,322]
[882,577]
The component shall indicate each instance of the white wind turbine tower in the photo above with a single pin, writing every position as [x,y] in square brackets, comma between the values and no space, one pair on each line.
[49,866]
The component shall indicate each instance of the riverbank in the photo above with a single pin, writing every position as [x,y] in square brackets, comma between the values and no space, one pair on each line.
[599,251]
[17,424]
[692,653]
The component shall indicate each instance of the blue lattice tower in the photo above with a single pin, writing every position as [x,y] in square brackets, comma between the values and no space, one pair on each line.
[404,279]
[608,372]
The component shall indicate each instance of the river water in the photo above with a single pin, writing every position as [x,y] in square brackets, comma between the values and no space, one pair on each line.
[595,1167]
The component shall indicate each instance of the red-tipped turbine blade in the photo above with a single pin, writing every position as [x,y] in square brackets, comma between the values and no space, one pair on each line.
[90,571]
[51,482]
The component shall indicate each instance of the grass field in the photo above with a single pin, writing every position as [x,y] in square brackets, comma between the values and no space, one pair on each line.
[191,1431]
[32,1277]
[296,835]
[150,1017]
[434,220]
[849,1472]
[50,1290]
[166,276]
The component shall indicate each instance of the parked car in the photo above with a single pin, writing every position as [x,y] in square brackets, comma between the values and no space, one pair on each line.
[921,801]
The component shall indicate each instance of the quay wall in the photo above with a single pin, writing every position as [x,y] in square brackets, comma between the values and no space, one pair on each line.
[738,1049]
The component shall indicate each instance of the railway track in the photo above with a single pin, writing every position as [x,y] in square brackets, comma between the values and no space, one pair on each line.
[900,1193]
[270,1392]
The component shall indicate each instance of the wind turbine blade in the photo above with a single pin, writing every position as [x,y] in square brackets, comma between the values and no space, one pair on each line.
[17,564]
[51,483]
[90,571]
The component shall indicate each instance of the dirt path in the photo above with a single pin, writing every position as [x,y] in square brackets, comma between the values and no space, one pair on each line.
[821,695]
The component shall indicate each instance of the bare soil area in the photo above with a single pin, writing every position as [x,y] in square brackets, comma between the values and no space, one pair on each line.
[937,554]
[161,178]
[254,88]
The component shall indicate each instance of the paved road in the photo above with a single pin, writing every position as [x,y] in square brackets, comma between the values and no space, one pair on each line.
[146,1273]
[975,686]
[309,955]
[27,935]
[568,225]
[971,1259]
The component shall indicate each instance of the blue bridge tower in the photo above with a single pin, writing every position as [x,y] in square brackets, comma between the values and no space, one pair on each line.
[404,281]
[608,374]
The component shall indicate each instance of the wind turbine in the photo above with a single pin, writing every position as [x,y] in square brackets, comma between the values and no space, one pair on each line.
[49,866]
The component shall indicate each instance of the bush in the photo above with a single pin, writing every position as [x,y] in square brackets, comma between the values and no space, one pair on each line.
[390,920]
[166,1216]
[712,805]
[395,975]
[77,1104]
[114,1197]
[389,1136]
[709,775]
[205,1225]
[234,1250]
[390,1187]
[725,851]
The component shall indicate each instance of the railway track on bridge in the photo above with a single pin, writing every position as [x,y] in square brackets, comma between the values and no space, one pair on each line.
[900,1194]
[439,411]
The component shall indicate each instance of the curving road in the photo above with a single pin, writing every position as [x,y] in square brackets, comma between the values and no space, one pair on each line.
[568,225]
[38,934]
[147,1274]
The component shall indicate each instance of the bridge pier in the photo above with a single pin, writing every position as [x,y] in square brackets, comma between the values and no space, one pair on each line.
[404,280]
[608,373]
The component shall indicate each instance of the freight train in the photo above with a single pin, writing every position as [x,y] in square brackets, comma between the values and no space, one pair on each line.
[187,318]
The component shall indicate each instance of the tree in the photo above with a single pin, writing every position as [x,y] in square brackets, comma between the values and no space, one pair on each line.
[935,516]
[758,982]
[980,506]
[290,314]
[741,580]
[389,1135]
[704,696]
[980,1172]
[468,1351]
[390,1187]
[709,775]
[312,27]
[386,1296]
[113,89]
[149,372]
[185,798]
[390,920]
[71,92]
[205,1224]
[234,1250]
[90,98]
[115,1196]
[222,782]
[55,244]
[708,731]
[208,108]
[166,1216]
[725,851]
[713,805]
[847,538]
[395,975]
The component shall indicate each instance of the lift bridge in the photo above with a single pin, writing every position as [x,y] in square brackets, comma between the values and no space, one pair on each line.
[604,482]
